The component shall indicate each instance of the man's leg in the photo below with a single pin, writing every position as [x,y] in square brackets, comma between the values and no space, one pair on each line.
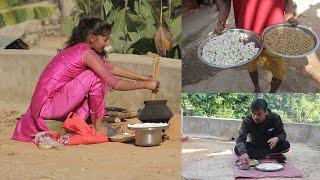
[277,152]
[275,84]
[253,72]
[277,67]
[281,147]
[255,80]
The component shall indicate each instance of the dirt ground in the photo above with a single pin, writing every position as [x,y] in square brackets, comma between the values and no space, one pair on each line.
[302,74]
[100,161]
[212,159]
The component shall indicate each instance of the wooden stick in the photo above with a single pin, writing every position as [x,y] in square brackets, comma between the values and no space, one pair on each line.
[155,71]
[157,74]
[153,55]
[154,66]
[154,76]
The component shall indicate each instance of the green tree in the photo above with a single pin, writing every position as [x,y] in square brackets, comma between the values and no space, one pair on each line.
[293,107]
[133,24]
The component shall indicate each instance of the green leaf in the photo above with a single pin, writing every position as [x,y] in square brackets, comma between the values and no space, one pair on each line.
[3,4]
[145,9]
[176,3]
[12,3]
[8,3]
[130,51]
[111,17]
[108,6]
[2,22]
[176,29]
[119,25]
[68,25]
[24,14]
[9,18]
[151,27]
[136,5]
[133,38]
[44,12]
[118,42]
[135,23]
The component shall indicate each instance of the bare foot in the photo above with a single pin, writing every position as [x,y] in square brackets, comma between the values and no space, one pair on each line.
[100,128]
[257,90]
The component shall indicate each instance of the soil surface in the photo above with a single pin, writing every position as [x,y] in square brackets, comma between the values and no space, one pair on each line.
[109,160]
[212,159]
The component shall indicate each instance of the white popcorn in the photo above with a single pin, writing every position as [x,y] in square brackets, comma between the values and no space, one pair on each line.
[148,125]
[269,166]
[228,49]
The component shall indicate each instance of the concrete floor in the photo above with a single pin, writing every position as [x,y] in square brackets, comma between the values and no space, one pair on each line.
[302,75]
[212,159]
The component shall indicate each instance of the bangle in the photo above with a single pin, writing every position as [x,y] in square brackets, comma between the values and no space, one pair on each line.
[135,84]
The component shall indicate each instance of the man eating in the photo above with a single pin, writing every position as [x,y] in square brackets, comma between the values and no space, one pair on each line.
[267,138]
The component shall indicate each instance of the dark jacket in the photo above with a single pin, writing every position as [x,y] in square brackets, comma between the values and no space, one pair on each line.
[260,133]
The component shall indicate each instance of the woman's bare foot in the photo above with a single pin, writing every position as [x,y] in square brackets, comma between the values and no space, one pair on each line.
[100,127]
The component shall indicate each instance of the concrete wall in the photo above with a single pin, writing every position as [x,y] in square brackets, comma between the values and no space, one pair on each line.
[35,31]
[20,70]
[229,128]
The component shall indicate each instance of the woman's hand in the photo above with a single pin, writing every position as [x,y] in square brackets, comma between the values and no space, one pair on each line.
[145,78]
[152,85]
[130,75]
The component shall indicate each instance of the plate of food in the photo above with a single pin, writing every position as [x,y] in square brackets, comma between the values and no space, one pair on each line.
[269,167]
[123,137]
[289,41]
[233,48]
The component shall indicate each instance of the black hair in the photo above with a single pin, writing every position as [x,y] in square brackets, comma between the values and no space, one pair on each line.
[259,104]
[88,26]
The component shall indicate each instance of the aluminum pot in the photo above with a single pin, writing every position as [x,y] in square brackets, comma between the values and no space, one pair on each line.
[148,136]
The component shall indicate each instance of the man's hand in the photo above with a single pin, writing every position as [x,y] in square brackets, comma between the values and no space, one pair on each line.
[290,13]
[219,28]
[244,159]
[292,20]
[223,16]
[273,142]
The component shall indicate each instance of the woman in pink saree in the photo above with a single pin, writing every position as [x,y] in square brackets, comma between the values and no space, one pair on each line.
[76,80]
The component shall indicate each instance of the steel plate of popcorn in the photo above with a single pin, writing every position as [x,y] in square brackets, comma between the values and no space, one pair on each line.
[235,47]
